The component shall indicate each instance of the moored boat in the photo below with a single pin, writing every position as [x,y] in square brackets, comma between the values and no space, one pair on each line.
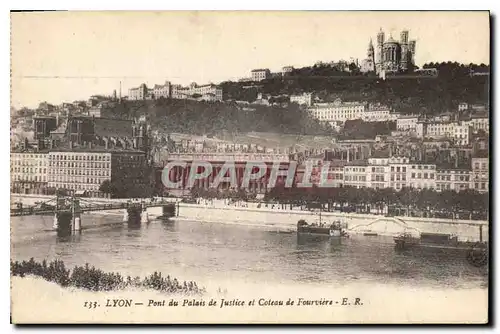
[336,229]
[435,240]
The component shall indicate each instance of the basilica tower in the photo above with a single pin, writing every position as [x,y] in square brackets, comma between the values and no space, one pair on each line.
[379,55]
[404,50]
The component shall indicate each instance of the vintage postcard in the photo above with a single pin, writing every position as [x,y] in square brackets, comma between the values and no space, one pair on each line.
[285,167]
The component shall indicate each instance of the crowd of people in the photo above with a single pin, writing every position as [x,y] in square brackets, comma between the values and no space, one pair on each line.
[93,279]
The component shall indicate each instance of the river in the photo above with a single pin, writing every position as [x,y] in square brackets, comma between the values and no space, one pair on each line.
[221,254]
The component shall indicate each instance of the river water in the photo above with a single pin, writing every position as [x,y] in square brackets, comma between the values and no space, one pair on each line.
[218,255]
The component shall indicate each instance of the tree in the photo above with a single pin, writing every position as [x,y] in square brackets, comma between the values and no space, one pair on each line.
[62,192]
[107,188]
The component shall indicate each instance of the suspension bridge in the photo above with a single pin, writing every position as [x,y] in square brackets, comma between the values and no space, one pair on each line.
[67,211]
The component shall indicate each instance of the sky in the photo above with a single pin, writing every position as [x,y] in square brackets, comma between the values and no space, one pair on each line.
[64,56]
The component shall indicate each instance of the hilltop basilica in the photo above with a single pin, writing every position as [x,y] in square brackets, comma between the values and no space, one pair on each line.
[390,55]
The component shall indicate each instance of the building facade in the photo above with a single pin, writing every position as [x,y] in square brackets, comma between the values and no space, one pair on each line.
[422,176]
[85,171]
[28,172]
[138,93]
[338,112]
[303,99]
[208,92]
[357,175]
[181,174]
[407,123]
[377,113]
[286,70]
[260,74]
[459,132]
[164,90]
[478,123]
[452,179]
[480,174]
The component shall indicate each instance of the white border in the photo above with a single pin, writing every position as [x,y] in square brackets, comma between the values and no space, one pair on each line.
[192,5]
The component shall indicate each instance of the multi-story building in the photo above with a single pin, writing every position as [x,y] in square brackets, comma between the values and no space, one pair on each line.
[260,74]
[217,160]
[138,93]
[286,70]
[377,113]
[28,172]
[379,172]
[336,173]
[480,122]
[43,125]
[452,179]
[407,123]
[357,174]
[303,99]
[422,176]
[480,174]
[463,106]
[83,171]
[162,90]
[460,132]
[208,92]
[398,172]
[338,112]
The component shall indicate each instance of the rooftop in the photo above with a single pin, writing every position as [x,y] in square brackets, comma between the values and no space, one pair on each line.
[112,127]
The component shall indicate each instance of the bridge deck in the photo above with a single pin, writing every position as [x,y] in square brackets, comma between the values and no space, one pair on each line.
[28,211]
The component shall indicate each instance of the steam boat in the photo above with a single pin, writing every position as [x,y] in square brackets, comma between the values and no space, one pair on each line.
[336,229]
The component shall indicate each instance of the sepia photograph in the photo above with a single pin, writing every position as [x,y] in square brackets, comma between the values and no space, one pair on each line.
[250,167]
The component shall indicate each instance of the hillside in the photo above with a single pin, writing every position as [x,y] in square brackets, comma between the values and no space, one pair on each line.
[453,85]
[208,118]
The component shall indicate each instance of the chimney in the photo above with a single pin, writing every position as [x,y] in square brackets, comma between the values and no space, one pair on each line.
[71,144]
[90,145]
[106,143]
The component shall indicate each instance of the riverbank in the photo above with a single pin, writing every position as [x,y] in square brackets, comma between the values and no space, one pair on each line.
[90,278]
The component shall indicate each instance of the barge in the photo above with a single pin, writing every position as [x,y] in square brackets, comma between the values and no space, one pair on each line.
[476,252]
